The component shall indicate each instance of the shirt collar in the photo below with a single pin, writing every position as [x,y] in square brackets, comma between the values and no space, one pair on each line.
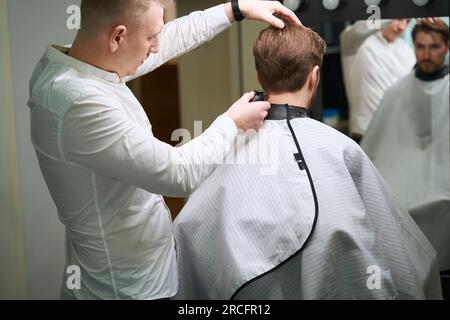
[59,54]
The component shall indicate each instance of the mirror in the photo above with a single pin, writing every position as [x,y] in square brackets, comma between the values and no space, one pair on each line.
[388,89]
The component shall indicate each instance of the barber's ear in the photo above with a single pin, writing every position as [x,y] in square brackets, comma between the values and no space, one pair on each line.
[116,37]
[314,78]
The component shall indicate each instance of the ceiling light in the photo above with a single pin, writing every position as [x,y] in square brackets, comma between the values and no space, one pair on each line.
[294,5]
[420,3]
[372,2]
[331,4]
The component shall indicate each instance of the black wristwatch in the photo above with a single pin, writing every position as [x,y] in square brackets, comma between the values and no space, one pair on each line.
[236,10]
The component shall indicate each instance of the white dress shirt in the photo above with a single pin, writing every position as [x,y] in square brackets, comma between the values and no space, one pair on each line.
[105,170]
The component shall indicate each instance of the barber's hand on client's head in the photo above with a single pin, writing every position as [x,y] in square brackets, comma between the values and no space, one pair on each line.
[428,19]
[267,11]
[248,115]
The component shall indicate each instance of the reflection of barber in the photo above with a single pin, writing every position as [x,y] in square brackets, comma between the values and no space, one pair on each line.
[372,63]
[311,227]
[408,139]
[104,168]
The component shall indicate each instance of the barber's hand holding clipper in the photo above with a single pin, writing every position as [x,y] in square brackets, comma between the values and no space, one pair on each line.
[248,115]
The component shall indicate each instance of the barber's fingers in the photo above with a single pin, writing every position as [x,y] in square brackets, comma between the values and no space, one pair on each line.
[260,113]
[248,96]
[248,115]
[428,19]
[262,108]
[280,9]
[274,21]
[263,105]
[267,11]
[259,104]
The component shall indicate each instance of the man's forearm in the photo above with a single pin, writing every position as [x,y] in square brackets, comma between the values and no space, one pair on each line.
[229,12]
[354,36]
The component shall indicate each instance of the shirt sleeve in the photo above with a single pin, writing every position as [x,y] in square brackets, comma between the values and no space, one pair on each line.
[368,82]
[354,36]
[185,34]
[106,140]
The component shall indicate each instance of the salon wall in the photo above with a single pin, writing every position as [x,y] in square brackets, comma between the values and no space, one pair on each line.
[12,255]
[205,78]
[215,75]
[32,26]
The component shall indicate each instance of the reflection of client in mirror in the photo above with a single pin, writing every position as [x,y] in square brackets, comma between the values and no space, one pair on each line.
[311,228]
[372,60]
[408,139]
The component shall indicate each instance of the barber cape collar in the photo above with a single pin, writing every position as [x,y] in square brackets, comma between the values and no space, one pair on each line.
[441,73]
[286,112]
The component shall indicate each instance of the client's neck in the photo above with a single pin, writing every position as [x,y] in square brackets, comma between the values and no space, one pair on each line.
[297,98]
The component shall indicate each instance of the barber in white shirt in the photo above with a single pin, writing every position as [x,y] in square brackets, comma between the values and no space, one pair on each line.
[372,63]
[103,167]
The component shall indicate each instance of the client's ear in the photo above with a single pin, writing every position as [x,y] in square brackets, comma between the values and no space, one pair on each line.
[314,78]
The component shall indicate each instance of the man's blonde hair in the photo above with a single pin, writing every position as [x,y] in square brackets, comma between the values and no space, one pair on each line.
[96,14]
